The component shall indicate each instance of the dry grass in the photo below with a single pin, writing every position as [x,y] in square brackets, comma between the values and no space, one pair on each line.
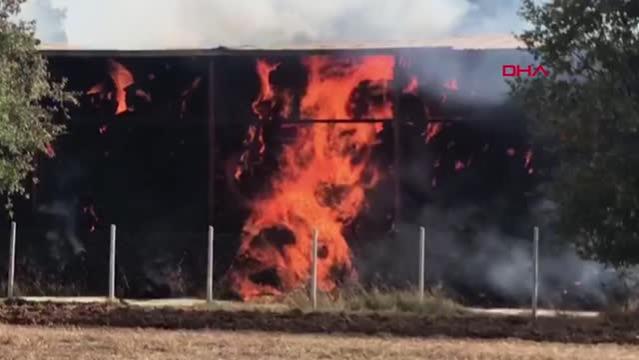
[376,300]
[66,343]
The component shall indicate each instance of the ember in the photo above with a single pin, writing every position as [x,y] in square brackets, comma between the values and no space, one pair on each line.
[323,176]
[451,85]
[50,151]
[432,129]
[528,162]
[412,86]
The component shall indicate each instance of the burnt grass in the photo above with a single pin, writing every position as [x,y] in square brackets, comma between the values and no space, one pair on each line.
[621,329]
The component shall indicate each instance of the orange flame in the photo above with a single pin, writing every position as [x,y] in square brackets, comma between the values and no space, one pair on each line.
[122,79]
[323,176]
[333,83]
[263,107]
[267,95]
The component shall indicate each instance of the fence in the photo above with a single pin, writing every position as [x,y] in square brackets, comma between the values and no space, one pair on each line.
[316,236]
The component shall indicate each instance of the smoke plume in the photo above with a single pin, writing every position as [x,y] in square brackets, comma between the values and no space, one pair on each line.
[263,23]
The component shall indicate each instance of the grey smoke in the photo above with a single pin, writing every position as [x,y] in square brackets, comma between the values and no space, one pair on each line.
[472,257]
[264,23]
[50,20]
[65,231]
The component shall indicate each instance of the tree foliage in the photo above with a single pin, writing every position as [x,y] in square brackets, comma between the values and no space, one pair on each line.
[586,113]
[30,100]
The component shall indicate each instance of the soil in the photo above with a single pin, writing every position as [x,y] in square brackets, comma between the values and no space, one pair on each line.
[619,329]
[64,343]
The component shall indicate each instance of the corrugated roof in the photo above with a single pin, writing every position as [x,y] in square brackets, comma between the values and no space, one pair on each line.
[479,42]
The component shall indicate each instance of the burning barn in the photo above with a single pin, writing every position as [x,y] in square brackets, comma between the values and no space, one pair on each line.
[360,143]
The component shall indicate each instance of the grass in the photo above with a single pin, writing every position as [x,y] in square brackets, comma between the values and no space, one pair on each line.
[358,299]
[63,343]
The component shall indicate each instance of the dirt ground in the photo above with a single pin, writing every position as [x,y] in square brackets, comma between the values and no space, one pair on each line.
[18,342]
[622,329]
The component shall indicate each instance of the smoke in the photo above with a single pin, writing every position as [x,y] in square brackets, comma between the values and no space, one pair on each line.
[475,259]
[263,23]
[50,20]
[484,257]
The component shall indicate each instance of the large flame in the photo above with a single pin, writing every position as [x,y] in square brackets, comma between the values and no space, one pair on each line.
[323,176]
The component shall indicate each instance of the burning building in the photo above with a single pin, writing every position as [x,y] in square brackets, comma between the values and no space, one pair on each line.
[359,143]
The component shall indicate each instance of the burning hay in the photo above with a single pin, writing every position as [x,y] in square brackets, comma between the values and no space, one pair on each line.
[323,176]
[284,144]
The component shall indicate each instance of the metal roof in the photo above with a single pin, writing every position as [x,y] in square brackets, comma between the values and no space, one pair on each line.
[477,42]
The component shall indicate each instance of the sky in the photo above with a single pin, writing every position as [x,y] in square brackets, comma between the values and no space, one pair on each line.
[143,24]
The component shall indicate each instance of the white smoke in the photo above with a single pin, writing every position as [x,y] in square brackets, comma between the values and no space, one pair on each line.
[140,24]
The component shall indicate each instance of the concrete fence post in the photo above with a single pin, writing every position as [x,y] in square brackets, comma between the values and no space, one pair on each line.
[112,264]
[314,269]
[12,260]
[422,261]
[209,268]
[535,290]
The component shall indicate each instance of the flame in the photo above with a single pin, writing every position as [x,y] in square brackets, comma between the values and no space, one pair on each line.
[267,95]
[332,83]
[323,176]
[96,89]
[263,106]
[122,79]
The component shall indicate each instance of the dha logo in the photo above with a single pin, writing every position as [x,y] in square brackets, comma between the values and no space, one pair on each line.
[512,70]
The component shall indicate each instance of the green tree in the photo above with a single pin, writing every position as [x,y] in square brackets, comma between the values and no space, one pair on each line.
[586,115]
[30,101]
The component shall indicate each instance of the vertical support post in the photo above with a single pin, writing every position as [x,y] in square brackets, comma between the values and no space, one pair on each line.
[314,270]
[422,261]
[12,260]
[397,150]
[212,143]
[535,292]
[396,166]
[209,272]
[112,264]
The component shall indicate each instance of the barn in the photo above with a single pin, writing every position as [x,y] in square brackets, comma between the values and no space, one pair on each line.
[361,142]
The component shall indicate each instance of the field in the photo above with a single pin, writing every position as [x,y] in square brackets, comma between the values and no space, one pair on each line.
[185,329]
[18,342]
[622,329]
